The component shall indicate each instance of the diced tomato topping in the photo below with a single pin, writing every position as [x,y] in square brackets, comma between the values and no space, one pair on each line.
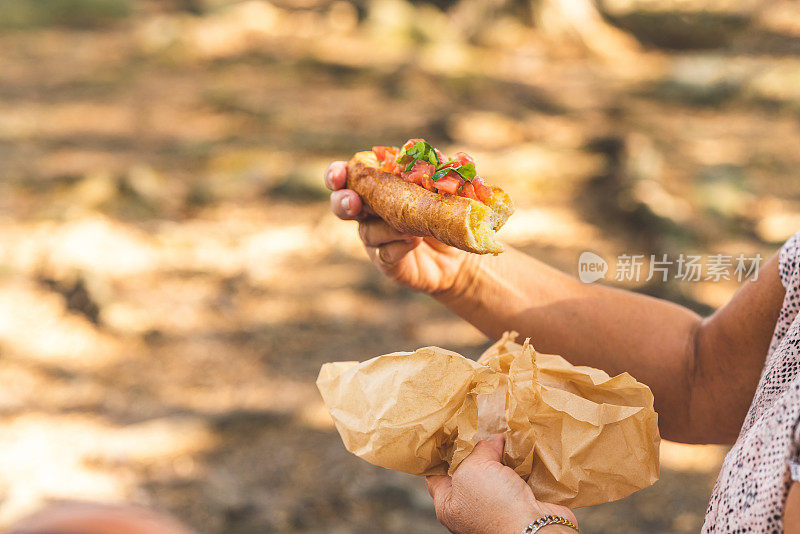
[418,172]
[458,160]
[385,152]
[391,165]
[411,142]
[429,184]
[468,191]
[462,159]
[387,156]
[422,171]
[450,164]
[482,191]
[448,184]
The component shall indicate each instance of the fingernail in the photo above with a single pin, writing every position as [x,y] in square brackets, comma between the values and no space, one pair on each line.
[346,204]
[327,177]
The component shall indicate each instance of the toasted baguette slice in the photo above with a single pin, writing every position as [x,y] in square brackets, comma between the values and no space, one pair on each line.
[409,208]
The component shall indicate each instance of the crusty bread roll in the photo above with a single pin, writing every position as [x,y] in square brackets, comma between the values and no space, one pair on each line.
[409,208]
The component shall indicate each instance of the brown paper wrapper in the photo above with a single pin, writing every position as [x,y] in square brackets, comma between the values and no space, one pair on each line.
[577,436]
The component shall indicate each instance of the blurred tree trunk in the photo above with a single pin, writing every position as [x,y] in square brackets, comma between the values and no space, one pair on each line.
[571,22]
[580,22]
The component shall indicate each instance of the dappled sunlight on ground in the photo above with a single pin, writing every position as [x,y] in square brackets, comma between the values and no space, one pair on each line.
[86,457]
[35,324]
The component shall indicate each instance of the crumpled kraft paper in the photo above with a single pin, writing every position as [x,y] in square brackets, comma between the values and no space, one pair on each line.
[577,436]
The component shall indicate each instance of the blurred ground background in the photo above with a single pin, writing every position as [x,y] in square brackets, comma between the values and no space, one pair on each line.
[171,279]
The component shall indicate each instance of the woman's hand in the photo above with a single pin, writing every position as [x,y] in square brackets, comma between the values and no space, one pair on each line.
[485,497]
[425,265]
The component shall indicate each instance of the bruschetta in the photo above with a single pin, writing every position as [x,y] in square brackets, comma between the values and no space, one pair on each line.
[418,191]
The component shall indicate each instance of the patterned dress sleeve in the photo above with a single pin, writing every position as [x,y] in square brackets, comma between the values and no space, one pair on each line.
[789,267]
[794,459]
[789,264]
[750,493]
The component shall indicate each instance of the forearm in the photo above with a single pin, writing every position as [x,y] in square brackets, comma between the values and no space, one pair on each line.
[791,512]
[694,366]
[592,325]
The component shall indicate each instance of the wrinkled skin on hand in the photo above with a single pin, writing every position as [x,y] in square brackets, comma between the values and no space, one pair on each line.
[486,497]
[422,264]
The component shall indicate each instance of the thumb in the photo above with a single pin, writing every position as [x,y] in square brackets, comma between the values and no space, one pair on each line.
[438,486]
[490,450]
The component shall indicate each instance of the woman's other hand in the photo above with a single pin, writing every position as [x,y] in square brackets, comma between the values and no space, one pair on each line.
[485,497]
[423,264]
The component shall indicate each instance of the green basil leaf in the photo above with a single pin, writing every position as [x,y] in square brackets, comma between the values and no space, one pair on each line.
[430,155]
[402,155]
[419,150]
[410,165]
[467,171]
[440,173]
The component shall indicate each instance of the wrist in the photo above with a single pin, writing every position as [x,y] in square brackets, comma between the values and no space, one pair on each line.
[547,529]
[538,512]
[556,529]
[464,284]
[520,518]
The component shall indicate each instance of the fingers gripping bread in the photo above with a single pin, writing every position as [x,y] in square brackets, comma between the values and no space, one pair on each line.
[455,220]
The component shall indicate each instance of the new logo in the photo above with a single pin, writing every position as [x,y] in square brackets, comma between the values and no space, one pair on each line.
[591,267]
